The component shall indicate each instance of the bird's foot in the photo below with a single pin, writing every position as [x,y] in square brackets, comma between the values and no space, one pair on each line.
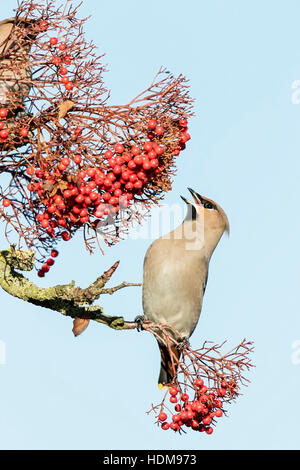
[183,343]
[139,320]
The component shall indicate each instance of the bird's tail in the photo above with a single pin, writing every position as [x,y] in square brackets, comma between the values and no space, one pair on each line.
[168,368]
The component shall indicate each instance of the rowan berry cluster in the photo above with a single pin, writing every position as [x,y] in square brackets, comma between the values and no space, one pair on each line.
[198,413]
[74,161]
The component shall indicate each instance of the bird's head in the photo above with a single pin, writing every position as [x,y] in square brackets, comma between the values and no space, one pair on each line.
[208,217]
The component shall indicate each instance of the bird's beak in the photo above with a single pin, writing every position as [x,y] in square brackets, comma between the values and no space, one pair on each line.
[197,198]
[186,200]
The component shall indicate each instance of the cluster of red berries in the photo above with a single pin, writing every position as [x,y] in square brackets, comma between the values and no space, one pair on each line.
[82,194]
[47,265]
[61,60]
[4,131]
[199,413]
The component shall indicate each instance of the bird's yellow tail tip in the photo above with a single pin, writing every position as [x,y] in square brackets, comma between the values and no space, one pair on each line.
[162,386]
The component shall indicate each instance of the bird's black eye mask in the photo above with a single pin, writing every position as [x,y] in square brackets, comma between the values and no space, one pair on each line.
[208,205]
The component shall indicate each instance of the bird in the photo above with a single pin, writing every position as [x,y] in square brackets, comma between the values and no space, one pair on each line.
[16,35]
[175,275]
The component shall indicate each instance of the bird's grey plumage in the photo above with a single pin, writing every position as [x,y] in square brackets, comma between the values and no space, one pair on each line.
[176,270]
[15,69]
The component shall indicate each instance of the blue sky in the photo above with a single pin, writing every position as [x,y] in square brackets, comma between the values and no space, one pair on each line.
[92,392]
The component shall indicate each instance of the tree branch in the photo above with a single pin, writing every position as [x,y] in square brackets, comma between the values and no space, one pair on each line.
[68,299]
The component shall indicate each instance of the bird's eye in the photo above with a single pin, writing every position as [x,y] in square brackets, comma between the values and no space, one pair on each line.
[208,205]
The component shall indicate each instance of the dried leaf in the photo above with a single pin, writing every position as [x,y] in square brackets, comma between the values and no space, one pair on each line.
[79,325]
[64,108]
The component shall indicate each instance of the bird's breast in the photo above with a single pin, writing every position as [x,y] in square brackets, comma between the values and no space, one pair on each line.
[173,285]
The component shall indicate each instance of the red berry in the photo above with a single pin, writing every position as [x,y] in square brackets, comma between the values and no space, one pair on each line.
[173,391]
[174,426]
[83,213]
[147,165]
[65,80]
[41,273]
[3,113]
[209,430]
[39,173]
[173,399]
[56,60]
[77,159]
[66,161]
[45,223]
[206,420]
[165,426]
[224,384]
[91,172]
[43,25]
[111,176]
[108,154]
[67,60]
[194,424]
[69,86]
[119,148]
[51,209]
[183,122]
[53,41]
[199,383]
[138,185]
[131,165]
[221,392]
[63,70]
[159,149]
[118,192]
[126,157]
[162,416]
[184,397]
[185,136]
[148,146]
[65,236]
[78,131]
[106,196]
[112,201]
[45,268]
[138,160]
[152,124]
[135,150]
[177,408]
[67,194]
[4,134]
[62,46]
[82,174]
[117,170]
[159,130]
[6,202]
[203,389]
[218,413]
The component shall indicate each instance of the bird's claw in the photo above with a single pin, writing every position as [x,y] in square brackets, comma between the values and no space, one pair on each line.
[183,343]
[139,320]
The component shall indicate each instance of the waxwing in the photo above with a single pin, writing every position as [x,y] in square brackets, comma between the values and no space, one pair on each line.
[176,270]
[15,71]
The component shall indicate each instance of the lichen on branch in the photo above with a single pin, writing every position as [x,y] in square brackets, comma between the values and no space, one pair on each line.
[68,299]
